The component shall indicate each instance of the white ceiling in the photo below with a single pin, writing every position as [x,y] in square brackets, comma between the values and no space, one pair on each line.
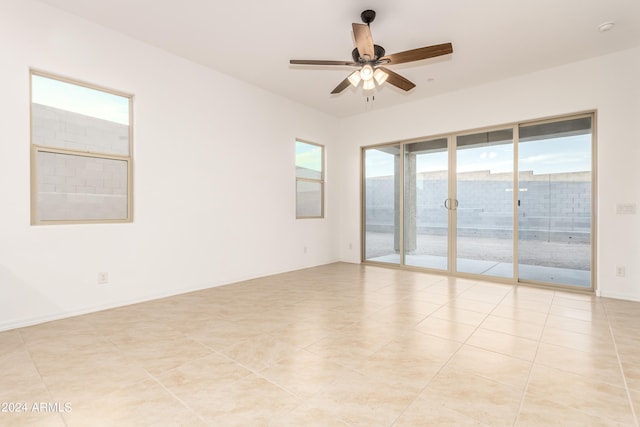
[253,41]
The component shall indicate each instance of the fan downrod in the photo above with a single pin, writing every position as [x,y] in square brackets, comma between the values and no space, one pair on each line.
[368,16]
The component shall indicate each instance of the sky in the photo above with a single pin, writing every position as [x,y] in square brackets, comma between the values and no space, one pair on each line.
[79,99]
[309,156]
[554,155]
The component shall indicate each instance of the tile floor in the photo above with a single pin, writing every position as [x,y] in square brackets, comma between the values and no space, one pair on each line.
[337,345]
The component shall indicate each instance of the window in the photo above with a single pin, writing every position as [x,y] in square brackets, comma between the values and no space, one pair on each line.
[309,180]
[80,152]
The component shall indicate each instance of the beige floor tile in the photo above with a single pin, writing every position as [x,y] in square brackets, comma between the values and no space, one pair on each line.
[497,367]
[167,352]
[210,371]
[519,314]
[60,355]
[415,304]
[415,343]
[65,330]
[196,381]
[632,375]
[600,366]
[635,401]
[348,349]
[445,329]
[438,296]
[260,352]
[538,412]
[303,373]
[115,320]
[107,373]
[312,417]
[473,305]
[449,288]
[593,305]
[487,292]
[33,418]
[581,393]
[627,347]
[475,397]
[507,344]
[580,296]
[578,341]
[580,326]
[528,330]
[594,314]
[9,341]
[426,412]
[20,380]
[531,293]
[142,404]
[541,306]
[459,315]
[362,401]
[408,369]
[219,334]
[247,402]
[301,334]
[397,317]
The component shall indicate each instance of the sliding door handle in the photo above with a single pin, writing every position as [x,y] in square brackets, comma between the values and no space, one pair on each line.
[447,203]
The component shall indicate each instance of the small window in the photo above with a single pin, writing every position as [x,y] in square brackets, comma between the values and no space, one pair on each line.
[80,151]
[309,180]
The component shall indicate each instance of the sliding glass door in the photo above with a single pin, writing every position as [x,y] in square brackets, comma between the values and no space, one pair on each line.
[554,216]
[426,218]
[514,203]
[382,204]
[484,203]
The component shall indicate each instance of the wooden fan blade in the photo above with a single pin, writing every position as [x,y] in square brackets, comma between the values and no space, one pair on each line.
[397,80]
[320,62]
[342,86]
[364,40]
[418,54]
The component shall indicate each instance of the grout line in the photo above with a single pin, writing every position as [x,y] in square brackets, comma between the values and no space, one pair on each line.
[533,363]
[183,403]
[44,383]
[624,377]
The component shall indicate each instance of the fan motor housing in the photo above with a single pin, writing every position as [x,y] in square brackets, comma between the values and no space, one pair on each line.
[378,52]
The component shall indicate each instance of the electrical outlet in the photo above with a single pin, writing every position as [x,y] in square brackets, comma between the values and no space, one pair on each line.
[621,271]
[103,278]
[350,245]
[304,250]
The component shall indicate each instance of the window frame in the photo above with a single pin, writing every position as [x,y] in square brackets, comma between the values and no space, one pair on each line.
[320,181]
[35,149]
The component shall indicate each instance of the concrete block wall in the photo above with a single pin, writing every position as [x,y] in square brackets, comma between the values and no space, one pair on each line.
[74,186]
[553,206]
[53,127]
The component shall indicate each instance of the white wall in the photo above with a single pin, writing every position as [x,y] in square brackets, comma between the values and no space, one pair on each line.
[608,84]
[213,175]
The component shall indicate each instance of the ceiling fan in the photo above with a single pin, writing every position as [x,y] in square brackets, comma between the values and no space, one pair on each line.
[370,58]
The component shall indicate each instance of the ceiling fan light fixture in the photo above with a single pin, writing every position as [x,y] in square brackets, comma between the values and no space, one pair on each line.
[366,72]
[355,78]
[380,76]
[369,84]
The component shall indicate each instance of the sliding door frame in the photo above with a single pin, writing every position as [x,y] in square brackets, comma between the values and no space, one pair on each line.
[593,288]
[452,217]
